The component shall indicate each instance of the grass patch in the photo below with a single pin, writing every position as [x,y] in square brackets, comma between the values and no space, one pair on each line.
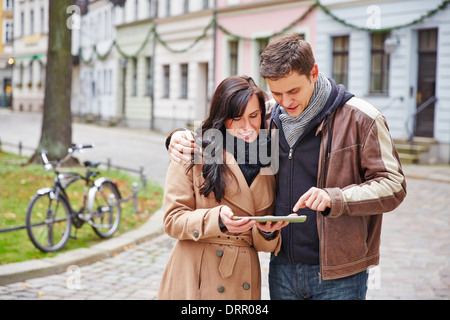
[19,183]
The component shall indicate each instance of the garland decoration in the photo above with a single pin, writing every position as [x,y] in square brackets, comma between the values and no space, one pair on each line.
[214,23]
[424,16]
[203,35]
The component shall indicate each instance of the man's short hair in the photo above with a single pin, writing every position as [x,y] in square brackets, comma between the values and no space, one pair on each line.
[284,55]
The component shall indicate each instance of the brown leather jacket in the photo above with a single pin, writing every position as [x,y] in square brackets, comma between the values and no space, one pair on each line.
[363,175]
[364,178]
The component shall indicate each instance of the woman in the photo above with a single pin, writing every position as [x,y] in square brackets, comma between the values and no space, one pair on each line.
[215,256]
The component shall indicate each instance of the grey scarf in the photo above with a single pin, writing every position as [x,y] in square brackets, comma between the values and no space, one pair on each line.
[293,128]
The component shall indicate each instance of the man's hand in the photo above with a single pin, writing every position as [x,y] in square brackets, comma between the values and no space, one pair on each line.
[181,146]
[315,199]
[273,226]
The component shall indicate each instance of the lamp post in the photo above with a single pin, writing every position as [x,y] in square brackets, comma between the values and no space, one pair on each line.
[390,44]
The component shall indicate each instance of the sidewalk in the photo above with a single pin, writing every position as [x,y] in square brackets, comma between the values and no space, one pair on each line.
[21,271]
[126,147]
[414,260]
[440,173]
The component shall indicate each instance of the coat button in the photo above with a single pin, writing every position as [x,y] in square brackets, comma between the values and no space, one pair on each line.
[219,253]
[220,289]
[246,286]
[195,234]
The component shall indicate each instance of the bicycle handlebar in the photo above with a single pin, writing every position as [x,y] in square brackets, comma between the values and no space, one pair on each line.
[81,146]
[75,147]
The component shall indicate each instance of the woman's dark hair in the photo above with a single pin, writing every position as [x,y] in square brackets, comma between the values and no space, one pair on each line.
[229,102]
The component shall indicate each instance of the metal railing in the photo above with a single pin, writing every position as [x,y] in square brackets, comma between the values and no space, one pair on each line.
[108,164]
[413,117]
[20,147]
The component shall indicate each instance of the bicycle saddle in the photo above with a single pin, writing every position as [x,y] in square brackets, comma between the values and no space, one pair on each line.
[92,164]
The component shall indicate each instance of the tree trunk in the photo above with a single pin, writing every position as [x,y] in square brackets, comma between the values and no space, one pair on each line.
[56,134]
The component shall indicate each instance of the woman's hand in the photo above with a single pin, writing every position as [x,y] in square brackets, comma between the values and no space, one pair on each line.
[272,226]
[234,226]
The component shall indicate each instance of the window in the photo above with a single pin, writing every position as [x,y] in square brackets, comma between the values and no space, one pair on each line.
[167,8]
[42,20]
[9,32]
[105,82]
[30,80]
[186,6]
[233,50]
[99,83]
[135,71]
[42,72]
[148,70]
[262,44]
[184,81]
[21,68]
[152,8]
[166,89]
[340,60]
[32,22]
[379,73]
[9,5]
[110,81]
[22,24]
[136,10]
[427,40]
[205,4]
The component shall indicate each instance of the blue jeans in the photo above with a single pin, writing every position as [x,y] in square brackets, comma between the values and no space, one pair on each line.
[290,281]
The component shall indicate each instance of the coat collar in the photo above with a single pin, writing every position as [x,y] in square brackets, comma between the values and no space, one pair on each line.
[239,193]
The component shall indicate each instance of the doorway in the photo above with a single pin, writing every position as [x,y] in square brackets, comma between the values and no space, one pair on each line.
[426,81]
[202,97]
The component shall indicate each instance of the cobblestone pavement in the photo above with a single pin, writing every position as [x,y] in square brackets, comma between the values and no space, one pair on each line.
[414,260]
[415,246]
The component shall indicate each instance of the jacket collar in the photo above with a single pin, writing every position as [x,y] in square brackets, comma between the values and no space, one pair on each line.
[338,96]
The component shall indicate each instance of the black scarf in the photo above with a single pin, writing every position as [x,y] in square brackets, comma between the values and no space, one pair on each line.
[251,157]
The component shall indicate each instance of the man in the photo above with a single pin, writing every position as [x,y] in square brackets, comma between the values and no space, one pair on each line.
[337,165]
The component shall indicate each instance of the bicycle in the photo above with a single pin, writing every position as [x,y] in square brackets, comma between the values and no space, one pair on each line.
[50,215]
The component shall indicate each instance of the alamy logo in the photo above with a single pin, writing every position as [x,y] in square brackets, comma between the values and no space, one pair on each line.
[74,21]
[374,19]
[263,151]
[73,281]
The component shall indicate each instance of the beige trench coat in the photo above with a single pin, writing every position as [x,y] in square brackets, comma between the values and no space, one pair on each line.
[207,263]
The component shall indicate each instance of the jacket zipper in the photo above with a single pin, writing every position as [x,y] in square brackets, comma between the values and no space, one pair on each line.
[290,156]
[291,164]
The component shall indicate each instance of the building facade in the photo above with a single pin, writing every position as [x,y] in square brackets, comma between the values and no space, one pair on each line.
[247,26]
[134,62]
[6,51]
[156,63]
[183,66]
[30,51]
[94,78]
[402,68]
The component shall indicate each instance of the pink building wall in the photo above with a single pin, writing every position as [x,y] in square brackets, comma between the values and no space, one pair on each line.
[257,20]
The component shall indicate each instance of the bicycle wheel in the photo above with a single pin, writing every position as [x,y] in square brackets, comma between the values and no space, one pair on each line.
[48,222]
[105,215]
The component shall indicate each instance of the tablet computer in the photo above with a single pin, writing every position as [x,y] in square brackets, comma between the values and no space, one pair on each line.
[291,219]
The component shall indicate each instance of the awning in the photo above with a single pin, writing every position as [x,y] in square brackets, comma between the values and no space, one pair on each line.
[30,57]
